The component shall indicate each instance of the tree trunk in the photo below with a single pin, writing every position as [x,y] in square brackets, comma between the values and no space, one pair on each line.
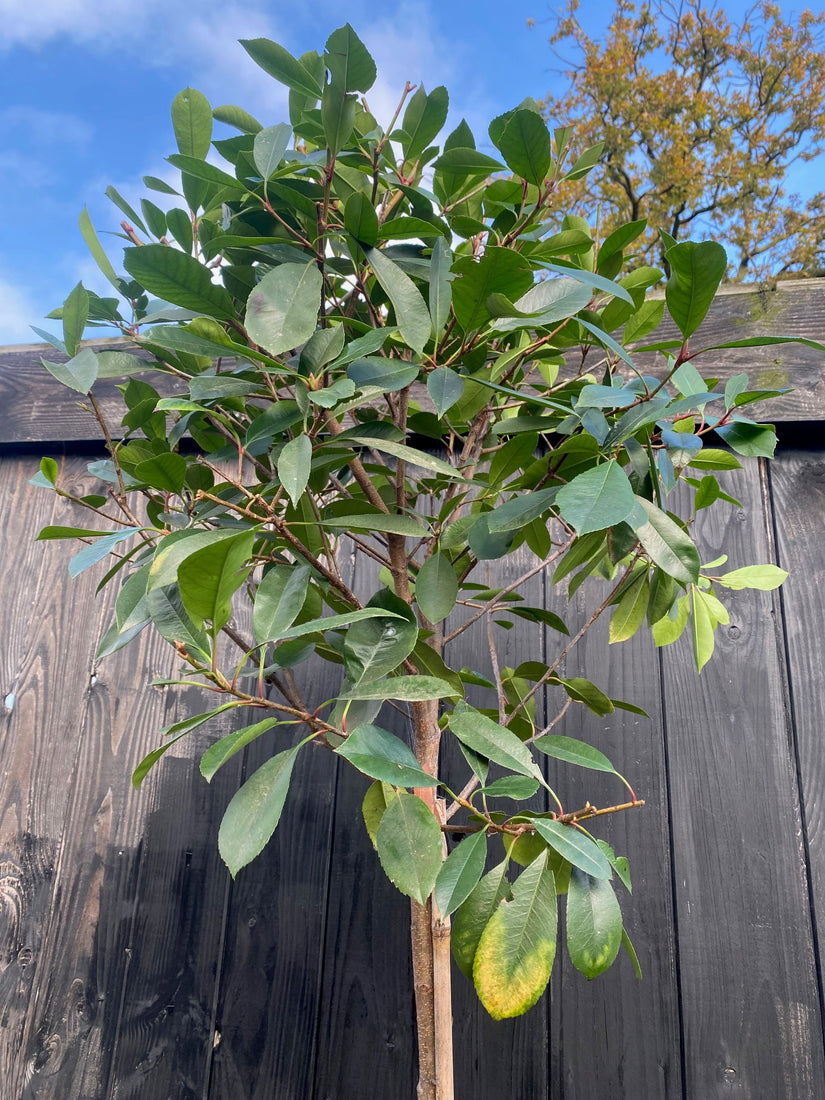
[431,944]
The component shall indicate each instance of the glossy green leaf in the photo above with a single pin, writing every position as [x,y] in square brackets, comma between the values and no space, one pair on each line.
[436,587]
[337,117]
[573,751]
[338,622]
[377,646]
[445,387]
[584,691]
[517,948]
[409,846]
[179,279]
[75,316]
[278,599]
[524,143]
[174,733]
[79,373]
[360,218]
[762,577]
[209,578]
[378,797]
[192,123]
[499,271]
[666,543]
[99,549]
[519,787]
[594,923]
[411,313]
[270,147]
[237,117]
[460,873]
[668,629]
[96,248]
[631,954]
[519,511]
[751,440]
[378,521]
[255,810]
[381,755]
[441,296]
[574,846]
[423,119]
[702,626]
[388,375]
[473,915]
[227,747]
[166,472]
[348,60]
[203,170]
[596,499]
[697,268]
[293,466]
[409,454]
[408,689]
[281,65]
[544,305]
[282,310]
[492,741]
[172,621]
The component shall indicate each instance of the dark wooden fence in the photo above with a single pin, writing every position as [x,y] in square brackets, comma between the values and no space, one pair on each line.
[132,967]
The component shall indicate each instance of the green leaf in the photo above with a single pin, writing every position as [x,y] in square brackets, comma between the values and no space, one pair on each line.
[237,117]
[474,914]
[545,304]
[348,60]
[594,282]
[762,577]
[255,810]
[278,599]
[519,787]
[751,440]
[377,646]
[584,691]
[524,143]
[203,170]
[166,472]
[588,160]
[573,751]
[210,577]
[165,607]
[445,387]
[409,846]
[381,755]
[293,466]
[269,148]
[594,923]
[631,953]
[668,629]
[521,510]
[436,587]
[666,543]
[91,555]
[409,689]
[96,248]
[411,313]
[378,521]
[423,119]
[360,218]
[515,954]
[224,749]
[281,65]
[596,499]
[120,364]
[79,373]
[702,626]
[711,458]
[175,732]
[378,797]
[634,419]
[337,622]
[114,196]
[179,279]
[192,123]
[575,846]
[388,375]
[492,741]
[282,310]
[49,470]
[441,297]
[409,454]
[697,269]
[460,873]
[75,316]
[499,271]
[337,117]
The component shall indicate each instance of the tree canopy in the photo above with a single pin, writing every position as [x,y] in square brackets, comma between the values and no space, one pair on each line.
[702,119]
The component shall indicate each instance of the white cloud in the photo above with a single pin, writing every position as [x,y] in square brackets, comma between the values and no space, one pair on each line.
[17,310]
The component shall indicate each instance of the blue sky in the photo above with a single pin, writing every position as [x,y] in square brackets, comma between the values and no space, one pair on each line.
[86,85]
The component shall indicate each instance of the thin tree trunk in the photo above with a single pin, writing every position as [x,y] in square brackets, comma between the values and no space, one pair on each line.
[431,945]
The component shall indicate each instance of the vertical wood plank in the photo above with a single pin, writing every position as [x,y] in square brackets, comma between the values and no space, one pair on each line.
[798,496]
[751,1011]
[635,1049]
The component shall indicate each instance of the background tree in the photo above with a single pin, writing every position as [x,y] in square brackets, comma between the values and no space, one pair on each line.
[701,120]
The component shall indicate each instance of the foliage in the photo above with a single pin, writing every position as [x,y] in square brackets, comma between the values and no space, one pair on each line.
[309,323]
[701,120]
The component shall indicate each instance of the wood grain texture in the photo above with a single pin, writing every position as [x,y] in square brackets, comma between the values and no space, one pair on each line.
[635,1049]
[798,496]
[750,1002]
[36,407]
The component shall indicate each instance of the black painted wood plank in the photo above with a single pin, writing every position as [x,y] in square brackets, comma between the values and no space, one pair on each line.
[749,996]
[798,495]
[634,1051]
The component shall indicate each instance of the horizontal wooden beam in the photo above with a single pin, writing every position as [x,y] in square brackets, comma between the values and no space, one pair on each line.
[37,409]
